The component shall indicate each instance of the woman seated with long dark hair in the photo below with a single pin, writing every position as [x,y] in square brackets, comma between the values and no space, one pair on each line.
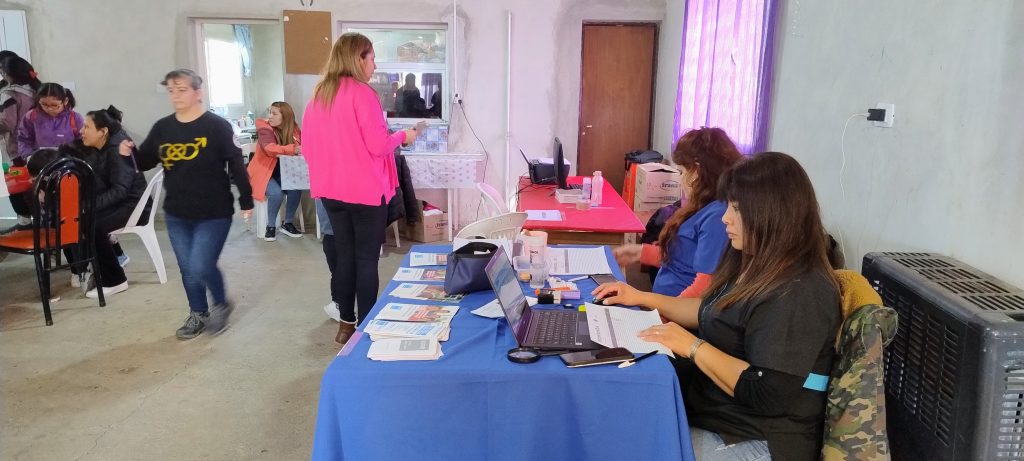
[119,186]
[766,325]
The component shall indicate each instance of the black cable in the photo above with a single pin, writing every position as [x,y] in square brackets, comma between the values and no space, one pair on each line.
[487,156]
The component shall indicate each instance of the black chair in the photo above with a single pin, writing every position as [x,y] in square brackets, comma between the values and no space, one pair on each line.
[63,216]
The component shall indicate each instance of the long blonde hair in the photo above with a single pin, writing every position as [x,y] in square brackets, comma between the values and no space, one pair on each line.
[343,62]
[287,130]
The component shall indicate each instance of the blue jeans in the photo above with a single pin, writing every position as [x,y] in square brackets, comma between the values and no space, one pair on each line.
[708,446]
[274,197]
[197,245]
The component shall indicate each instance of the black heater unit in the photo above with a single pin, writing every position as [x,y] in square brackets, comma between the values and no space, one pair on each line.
[954,373]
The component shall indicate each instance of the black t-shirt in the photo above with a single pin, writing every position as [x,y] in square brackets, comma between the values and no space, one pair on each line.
[194,156]
[790,331]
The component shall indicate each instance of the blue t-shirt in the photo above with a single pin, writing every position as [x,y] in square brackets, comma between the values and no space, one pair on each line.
[697,248]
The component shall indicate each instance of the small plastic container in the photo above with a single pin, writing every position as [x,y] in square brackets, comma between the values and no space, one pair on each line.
[538,274]
[583,204]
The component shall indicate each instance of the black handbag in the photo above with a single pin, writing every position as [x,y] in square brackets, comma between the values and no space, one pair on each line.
[465,272]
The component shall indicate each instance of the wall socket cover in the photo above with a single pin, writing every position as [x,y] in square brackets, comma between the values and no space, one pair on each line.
[890,114]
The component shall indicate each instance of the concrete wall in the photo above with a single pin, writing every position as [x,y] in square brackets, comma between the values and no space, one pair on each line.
[123,59]
[947,177]
[268,65]
[670,46]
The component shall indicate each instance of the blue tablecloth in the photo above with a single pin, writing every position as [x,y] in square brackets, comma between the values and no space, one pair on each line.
[473,404]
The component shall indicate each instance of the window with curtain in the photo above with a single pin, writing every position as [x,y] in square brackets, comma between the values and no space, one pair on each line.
[725,70]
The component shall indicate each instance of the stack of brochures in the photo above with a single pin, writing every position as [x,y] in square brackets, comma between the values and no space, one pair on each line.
[404,349]
[423,292]
[410,274]
[397,320]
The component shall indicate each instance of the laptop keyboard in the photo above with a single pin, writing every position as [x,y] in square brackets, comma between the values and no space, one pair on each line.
[555,327]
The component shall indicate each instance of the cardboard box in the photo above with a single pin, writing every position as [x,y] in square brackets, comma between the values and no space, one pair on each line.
[432,228]
[648,207]
[658,183]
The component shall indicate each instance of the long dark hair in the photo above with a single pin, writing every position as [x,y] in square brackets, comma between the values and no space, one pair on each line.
[709,152]
[56,90]
[109,118]
[20,72]
[782,231]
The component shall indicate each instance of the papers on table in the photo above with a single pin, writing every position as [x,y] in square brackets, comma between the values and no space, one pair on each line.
[568,261]
[417,313]
[425,293]
[613,326]
[383,329]
[427,259]
[492,310]
[404,349]
[408,274]
[543,215]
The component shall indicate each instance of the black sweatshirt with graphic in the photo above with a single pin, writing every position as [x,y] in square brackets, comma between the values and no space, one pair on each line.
[197,158]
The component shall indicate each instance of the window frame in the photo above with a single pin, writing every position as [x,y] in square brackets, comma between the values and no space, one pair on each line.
[403,67]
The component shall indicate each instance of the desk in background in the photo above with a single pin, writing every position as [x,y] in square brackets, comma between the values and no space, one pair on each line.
[607,224]
[474,404]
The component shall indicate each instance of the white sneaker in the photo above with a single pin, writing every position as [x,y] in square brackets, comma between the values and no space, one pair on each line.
[332,311]
[76,281]
[107,291]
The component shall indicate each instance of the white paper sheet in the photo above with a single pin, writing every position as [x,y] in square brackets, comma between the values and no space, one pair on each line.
[404,349]
[613,326]
[427,259]
[543,215]
[492,310]
[578,261]
[408,274]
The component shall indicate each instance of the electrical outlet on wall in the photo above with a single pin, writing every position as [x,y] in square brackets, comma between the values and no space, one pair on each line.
[890,113]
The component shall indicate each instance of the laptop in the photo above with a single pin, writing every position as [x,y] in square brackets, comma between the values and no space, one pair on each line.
[540,329]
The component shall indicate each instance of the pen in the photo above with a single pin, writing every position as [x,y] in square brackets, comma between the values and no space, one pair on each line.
[577,279]
[630,362]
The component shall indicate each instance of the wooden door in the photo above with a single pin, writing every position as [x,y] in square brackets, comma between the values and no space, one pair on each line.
[616,91]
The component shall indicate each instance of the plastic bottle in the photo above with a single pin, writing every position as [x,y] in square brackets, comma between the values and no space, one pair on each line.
[585,189]
[596,189]
[251,117]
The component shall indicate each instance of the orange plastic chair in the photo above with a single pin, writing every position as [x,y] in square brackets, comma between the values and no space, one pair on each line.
[64,189]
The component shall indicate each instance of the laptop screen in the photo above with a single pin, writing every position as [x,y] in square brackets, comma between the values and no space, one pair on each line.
[510,295]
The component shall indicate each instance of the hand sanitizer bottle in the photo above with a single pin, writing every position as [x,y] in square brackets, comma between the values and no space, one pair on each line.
[585,189]
[596,188]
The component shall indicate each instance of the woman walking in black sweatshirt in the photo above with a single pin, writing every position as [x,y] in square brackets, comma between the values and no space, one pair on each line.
[194,146]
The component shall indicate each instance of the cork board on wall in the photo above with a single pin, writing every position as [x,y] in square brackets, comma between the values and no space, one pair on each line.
[307,41]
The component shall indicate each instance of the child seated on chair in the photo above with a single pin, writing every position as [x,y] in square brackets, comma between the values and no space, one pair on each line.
[118,189]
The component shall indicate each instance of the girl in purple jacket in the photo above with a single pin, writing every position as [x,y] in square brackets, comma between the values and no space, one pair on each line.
[51,123]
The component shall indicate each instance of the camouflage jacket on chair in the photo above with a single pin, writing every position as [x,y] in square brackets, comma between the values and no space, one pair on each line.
[855,412]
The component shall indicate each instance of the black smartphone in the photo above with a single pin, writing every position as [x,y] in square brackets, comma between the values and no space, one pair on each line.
[603,278]
[598,357]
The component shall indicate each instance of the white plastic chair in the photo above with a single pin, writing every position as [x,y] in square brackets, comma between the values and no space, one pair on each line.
[147,232]
[247,150]
[504,226]
[492,198]
[261,218]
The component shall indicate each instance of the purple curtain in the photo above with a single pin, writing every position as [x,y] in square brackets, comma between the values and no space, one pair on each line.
[725,70]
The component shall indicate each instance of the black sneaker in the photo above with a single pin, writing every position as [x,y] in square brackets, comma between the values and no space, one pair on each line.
[219,316]
[194,324]
[290,230]
[271,234]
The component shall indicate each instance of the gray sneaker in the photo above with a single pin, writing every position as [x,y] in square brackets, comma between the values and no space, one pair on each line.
[219,315]
[194,324]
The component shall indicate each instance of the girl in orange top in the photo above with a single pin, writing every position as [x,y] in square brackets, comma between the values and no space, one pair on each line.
[277,135]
